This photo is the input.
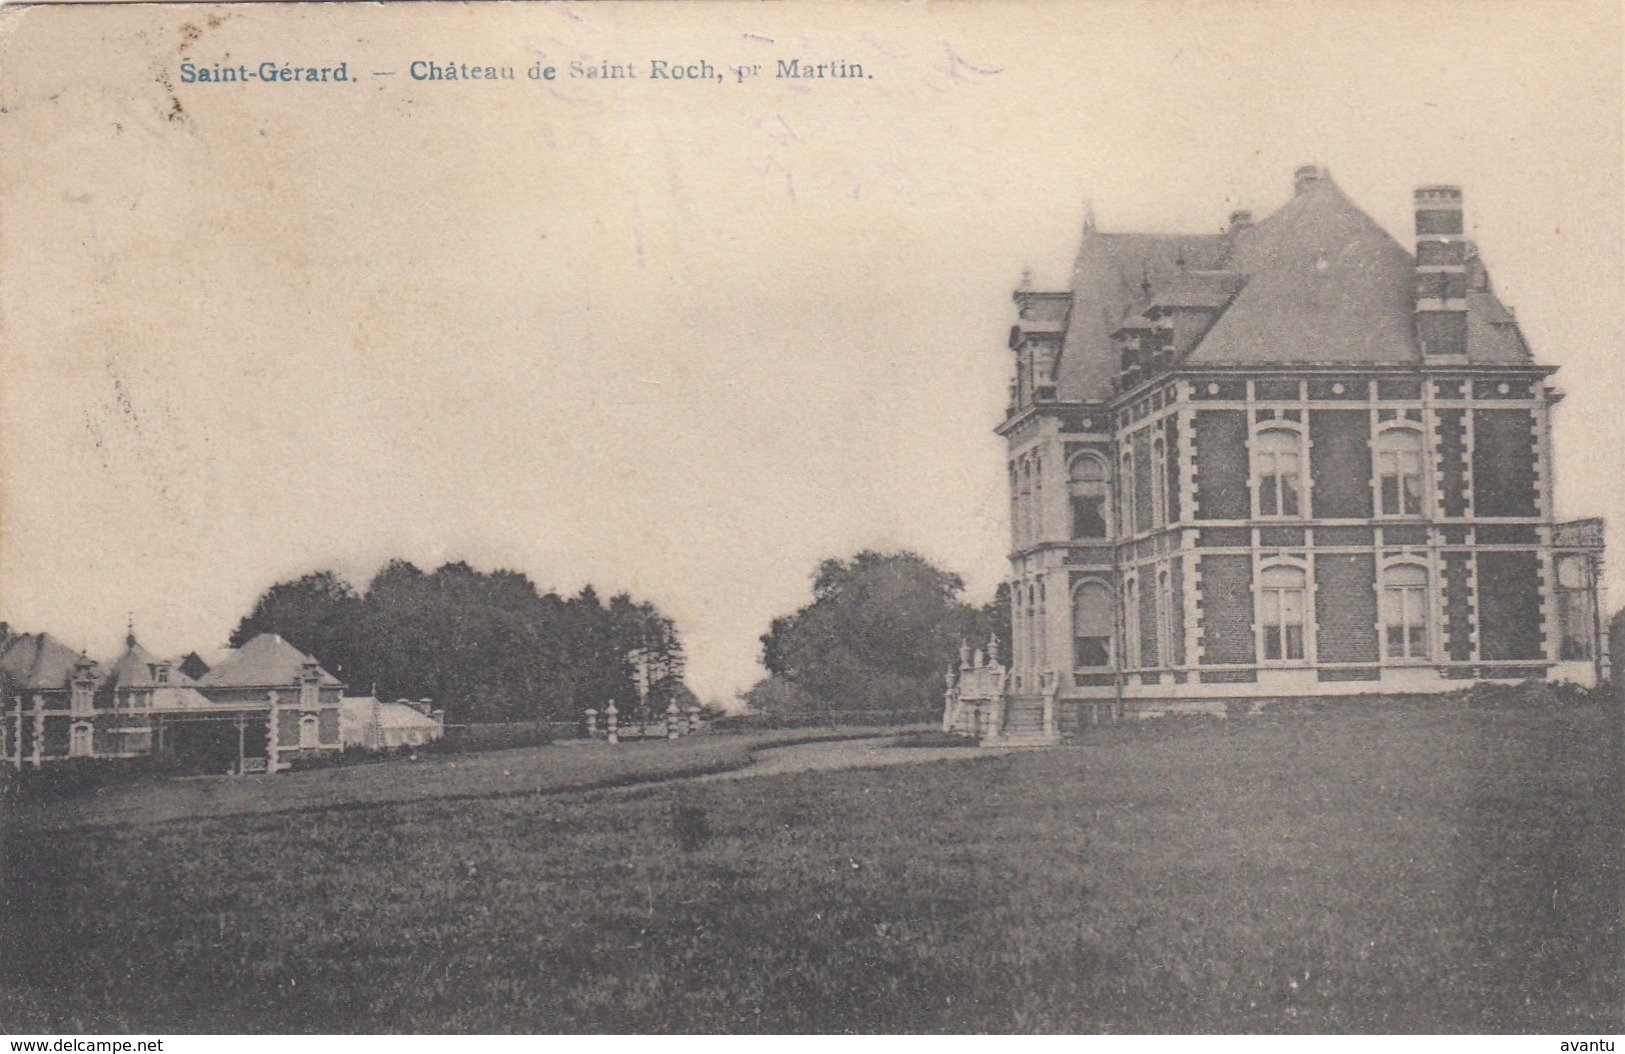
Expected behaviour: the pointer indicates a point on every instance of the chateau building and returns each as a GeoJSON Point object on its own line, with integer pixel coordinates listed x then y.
{"type": "Point", "coordinates": [262, 705]}
{"type": "Point", "coordinates": [1291, 458]}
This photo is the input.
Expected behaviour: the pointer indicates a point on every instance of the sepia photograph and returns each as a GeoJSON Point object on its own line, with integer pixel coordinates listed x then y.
{"type": "Point", "coordinates": [708, 518]}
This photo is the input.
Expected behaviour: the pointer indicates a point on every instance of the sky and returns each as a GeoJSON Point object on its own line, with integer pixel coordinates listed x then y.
{"type": "Point", "coordinates": [679, 338]}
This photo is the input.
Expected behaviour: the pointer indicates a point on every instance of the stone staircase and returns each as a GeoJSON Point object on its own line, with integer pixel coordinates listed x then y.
{"type": "Point", "coordinates": [1023, 724]}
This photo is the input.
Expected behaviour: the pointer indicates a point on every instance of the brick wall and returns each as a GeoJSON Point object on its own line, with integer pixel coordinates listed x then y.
{"type": "Point", "coordinates": [1504, 463]}
{"type": "Point", "coordinates": [1173, 472]}
{"type": "Point", "coordinates": [1451, 437]}
{"type": "Point", "coordinates": [1340, 463]}
{"type": "Point", "coordinates": [1142, 479]}
{"type": "Point", "coordinates": [1176, 574]}
{"type": "Point", "coordinates": [1227, 609]}
{"type": "Point", "coordinates": [1458, 607]}
{"type": "Point", "coordinates": [1509, 606]}
{"type": "Point", "coordinates": [1147, 617]}
{"type": "Point", "coordinates": [1221, 465]}
{"type": "Point", "coordinates": [1346, 607]}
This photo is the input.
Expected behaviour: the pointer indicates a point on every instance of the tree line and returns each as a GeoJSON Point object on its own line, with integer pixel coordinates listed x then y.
{"type": "Point", "coordinates": [484, 645]}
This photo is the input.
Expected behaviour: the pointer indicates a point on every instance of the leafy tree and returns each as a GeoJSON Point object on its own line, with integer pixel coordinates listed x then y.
{"type": "Point", "coordinates": [319, 614]}
{"type": "Point", "coordinates": [879, 634]}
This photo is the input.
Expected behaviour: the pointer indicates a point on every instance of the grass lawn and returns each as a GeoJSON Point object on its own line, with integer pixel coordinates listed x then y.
{"type": "Point", "coordinates": [1383, 869]}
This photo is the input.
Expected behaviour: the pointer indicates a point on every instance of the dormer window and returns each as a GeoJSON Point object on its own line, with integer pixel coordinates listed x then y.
{"type": "Point", "coordinates": [159, 672]}
{"type": "Point", "coordinates": [310, 688]}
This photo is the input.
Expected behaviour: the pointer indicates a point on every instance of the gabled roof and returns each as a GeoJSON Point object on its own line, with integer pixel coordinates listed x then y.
{"type": "Point", "coordinates": [265, 661]}
{"type": "Point", "coordinates": [1316, 283]}
{"type": "Point", "coordinates": [39, 662]}
{"type": "Point", "coordinates": [134, 669]}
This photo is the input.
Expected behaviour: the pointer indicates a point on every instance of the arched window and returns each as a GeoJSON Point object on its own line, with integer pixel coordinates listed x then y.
{"type": "Point", "coordinates": [309, 731]}
{"type": "Point", "coordinates": [1092, 627]}
{"type": "Point", "coordinates": [1086, 484]}
{"type": "Point", "coordinates": [1041, 630]}
{"type": "Point", "coordinates": [1277, 465]}
{"type": "Point", "coordinates": [1165, 618]}
{"type": "Point", "coordinates": [1405, 611]}
{"type": "Point", "coordinates": [1159, 482]}
{"type": "Point", "coordinates": [79, 742]}
{"type": "Point", "coordinates": [1399, 472]}
{"type": "Point", "coordinates": [1282, 603]}
{"type": "Point", "coordinates": [1125, 490]}
{"type": "Point", "coordinates": [1037, 525]}
{"type": "Point", "coordinates": [1131, 622]}
{"type": "Point", "coordinates": [1024, 533]}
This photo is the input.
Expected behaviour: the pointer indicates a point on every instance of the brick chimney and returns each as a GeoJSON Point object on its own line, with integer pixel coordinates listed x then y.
{"type": "Point", "coordinates": [1441, 274]}
{"type": "Point", "coordinates": [1306, 178]}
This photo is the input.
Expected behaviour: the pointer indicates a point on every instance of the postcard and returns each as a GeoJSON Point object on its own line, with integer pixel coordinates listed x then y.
{"type": "Point", "coordinates": [711, 517]}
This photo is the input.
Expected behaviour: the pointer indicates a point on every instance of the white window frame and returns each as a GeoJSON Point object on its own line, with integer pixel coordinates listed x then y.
{"type": "Point", "coordinates": [1262, 459]}
{"type": "Point", "coordinates": [81, 733]}
{"type": "Point", "coordinates": [1272, 601]}
{"type": "Point", "coordinates": [310, 732]}
{"type": "Point", "coordinates": [1104, 590]}
{"type": "Point", "coordinates": [1382, 451]}
{"type": "Point", "coordinates": [1080, 485]}
{"type": "Point", "coordinates": [1126, 488]}
{"type": "Point", "coordinates": [1165, 616]}
{"type": "Point", "coordinates": [1159, 482]}
{"type": "Point", "coordinates": [1038, 499]}
{"type": "Point", "coordinates": [1404, 592]}
{"type": "Point", "coordinates": [1567, 597]}
{"type": "Point", "coordinates": [1131, 621]}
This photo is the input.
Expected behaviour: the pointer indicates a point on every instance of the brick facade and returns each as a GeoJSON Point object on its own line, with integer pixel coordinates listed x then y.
{"type": "Point", "coordinates": [1393, 531]}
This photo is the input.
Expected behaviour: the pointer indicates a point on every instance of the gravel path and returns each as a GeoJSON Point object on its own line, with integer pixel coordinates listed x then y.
{"type": "Point", "coordinates": [843, 754]}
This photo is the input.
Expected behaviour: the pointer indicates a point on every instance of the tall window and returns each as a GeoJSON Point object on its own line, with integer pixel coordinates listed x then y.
{"type": "Point", "coordinates": [1159, 482]}
{"type": "Point", "coordinates": [1277, 459]}
{"type": "Point", "coordinates": [1399, 472]}
{"type": "Point", "coordinates": [81, 697]}
{"type": "Point", "coordinates": [1281, 609]}
{"type": "Point", "coordinates": [1091, 627]}
{"type": "Point", "coordinates": [1125, 489]}
{"type": "Point", "coordinates": [309, 734]}
{"type": "Point", "coordinates": [1024, 533]}
{"type": "Point", "coordinates": [79, 741]}
{"type": "Point", "coordinates": [1087, 487]}
{"type": "Point", "coordinates": [1576, 608]}
{"type": "Point", "coordinates": [1037, 525]}
{"type": "Point", "coordinates": [1405, 611]}
{"type": "Point", "coordinates": [1131, 622]}
{"type": "Point", "coordinates": [1041, 629]}
{"type": "Point", "coordinates": [1165, 619]}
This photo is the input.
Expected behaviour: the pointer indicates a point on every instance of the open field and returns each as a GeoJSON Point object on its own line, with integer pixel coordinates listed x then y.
{"type": "Point", "coordinates": [569, 765]}
{"type": "Point", "coordinates": [1384, 869]}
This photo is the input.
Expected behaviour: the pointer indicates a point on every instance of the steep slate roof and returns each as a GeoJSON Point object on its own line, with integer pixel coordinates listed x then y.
{"type": "Point", "coordinates": [1320, 284]}
{"type": "Point", "coordinates": [134, 669]}
{"type": "Point", "coordinates": [39, 662]}
{"type": "Point", "coordinates": [1108, 278]}
{"type": "Point", "coordinates": [267, 660]}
